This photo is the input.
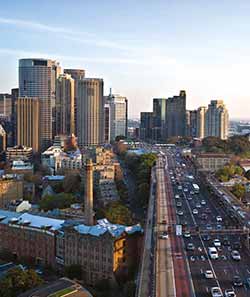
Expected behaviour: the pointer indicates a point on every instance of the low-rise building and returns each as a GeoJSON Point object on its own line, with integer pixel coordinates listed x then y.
{"type": "Point", "coordinates": [11, 188]}
{"type": "Point", "coordinates": [108, 191]}
{"type": "Point", "coordinates": [245, 164]}
{"type": "Point", "coordinates": [19, 152]}
{"type": "Point", "coordinates": [212, 161]}
{"type": "Point", "coordinates": [102, 250]}
{"type": "Point", "coordinates": [22, 167]}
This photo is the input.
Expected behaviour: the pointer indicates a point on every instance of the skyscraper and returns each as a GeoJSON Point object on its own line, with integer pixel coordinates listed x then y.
{"type": "Point", "coordinates": [28, 126]}
{"type": "Point", "coordinates": [76, 74]}
{"type": "Point", "coordinates": [90, 112]}
{"type": "Point", "coordinates": [176, 115]}
{"type": "Point", "coordinates": [37, 78]}
{"type": "Point", "coordinates": [191, 123]}
{"type": "Point", "coordinates": [146, 126]}
{"type": "Point", "coordinates": [159, 111]}
{"type": "Point", "coordinates": [118, 115]}
{"type": "Point", "coordinates": [107, 123]}
{"type": "Point", "coordinates": [65, 105]}
{"type": "Point", "coordinates": [201, 113]}
{"type": "Point", "coordinates": [216, 120]}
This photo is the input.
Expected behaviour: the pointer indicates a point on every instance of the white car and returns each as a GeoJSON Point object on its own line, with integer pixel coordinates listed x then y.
{"type": "Point", "coordinates": [187, 234]}
{"type": "Point", "coordinates": [230, 293]}
{"type": "Point", "coordinates": [203, 202]}
{"type": "Point", "coordinates": [209, 274]}
{"type": "Point", "coordinates": [217, 243]}
{"type": "Point", "coordinates": [235, 255]}
{"type": "Point", "coordinates": [164, 236]}
{"type": "Point", "coordinates": [180, 213]}
{"type": "Point", "coordinates": [219, 219]}
{"type": "Point", "coordinates": [216, 292]}
{"type": "Point", "coordinates": [195, 211]}
{"type": "Point", "coordinates": [185, 190]}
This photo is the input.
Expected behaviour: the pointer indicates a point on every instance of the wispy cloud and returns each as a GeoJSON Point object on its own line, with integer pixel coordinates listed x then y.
{"type": "Point", "coordinates": [143, 61]}
{"type": "Point", "coordinates": [67, 33]}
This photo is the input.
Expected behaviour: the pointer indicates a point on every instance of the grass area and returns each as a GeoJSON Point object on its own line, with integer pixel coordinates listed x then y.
{"type": "Point", "coordinates": [62, 292]}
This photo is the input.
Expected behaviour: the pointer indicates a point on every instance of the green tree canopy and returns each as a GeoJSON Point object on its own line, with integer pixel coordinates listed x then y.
{"type": "Point", "coordinates": [62, 200]}
{"type": "Point", "coordinates": [117, 213]}
{"type": "Point", "coordinates": [239, 191]}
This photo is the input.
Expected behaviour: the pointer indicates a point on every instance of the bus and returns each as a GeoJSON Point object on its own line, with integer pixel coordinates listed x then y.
{"type": "Point", "coordinates": [196, 188]}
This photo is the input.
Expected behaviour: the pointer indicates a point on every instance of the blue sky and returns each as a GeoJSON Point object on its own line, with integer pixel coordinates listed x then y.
{"type": "Point", "coordinates": [142, 48]}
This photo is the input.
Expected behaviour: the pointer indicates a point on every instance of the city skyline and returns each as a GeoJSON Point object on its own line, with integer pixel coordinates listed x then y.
{"type": "Point", "coordinates": [206, 53]}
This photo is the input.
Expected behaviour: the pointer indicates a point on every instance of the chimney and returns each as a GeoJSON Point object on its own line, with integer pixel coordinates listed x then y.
{"type": "Point", "coordinates": [88, 195]}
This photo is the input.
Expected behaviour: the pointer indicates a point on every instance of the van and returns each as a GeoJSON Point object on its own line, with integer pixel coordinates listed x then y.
{"type": "Point", "coordinates": [213, 253]}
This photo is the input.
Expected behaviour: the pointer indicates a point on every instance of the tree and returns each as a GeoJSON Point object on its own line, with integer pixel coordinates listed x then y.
{"type": "Point", "coordinates": [72, 183]}
{"type": "Point", "coordinates": [62, 200]}
{"type": "Point", "coordinates": [118, 213]}
{"type": "Point", "coordinates": [17, 281]}
{"type": "Point", "coordinates": [239, 191]}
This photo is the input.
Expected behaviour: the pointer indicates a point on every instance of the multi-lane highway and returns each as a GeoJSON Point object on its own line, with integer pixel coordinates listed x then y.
{"type": "Point", "coordinates": [203, 220]}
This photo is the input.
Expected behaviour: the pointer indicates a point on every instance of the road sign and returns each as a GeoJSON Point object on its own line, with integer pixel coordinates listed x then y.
{"type": "Point", "coordinates": [178, 230]}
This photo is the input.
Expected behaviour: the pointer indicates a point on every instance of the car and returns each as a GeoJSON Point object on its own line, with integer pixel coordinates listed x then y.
{"type": "Point", "coordinates": [192, 192]}
{"type": "Point", "coordinates": [203, 202]}
{"type": "Point", "coordinates": [217, 242]}
{"type": "Point", "coordinates": [248, 282]}
{"type": "Point", "coordinates": [237, 282]}
{"type": "Point", "coordinates": [208, 210]}
{"type": "Point", "coordinates": [198, 205]}
{"type": "Point", "coordinates": [190, 246]}
{"type": "Point", "coordinates": [209, 227]}
{"type": "Point", "coordinates": [218, 227]}
{"type": "Point", "coordinates": [206, 237]}
{"type": "Point", "coordinates": [216, 292]}
{"type": "Point", "coordinates": [179, 187]}
{"type": "Point", "coordinates": [208, 274]}
{"type": "Point", "coordinates": [179, 204]}
{"type": "Point", "coordinates": [204, 216]}
{"type": "Point", "coordinates": [226, 242]}
{"type": "Point", "coordinates": [187, 234]}
{"type": "Point", "coordinates": [195, 211]}
{"type": "Point", "coordinates": [177, 196]}
{"type": "Point", "coordinates": [230, 293]}
{"type": "Point", "coordinates": [219, 219]}
{"type": "Point", "coordinates": [189, 198]}
{"type": "Point", "coordinates": [235, 255]}
{"type": "Point", "coordinates": [236, 245]}
{"type": "Point", "coordinates": [163, 236]}
{"type": "Point", "coordinates": [180, 213]}
{"type": "Point", "coordinates": [185, 190]}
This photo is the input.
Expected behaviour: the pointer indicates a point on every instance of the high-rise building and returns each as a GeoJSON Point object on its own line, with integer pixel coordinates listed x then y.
{"type": "Point", "coordinates": [176, 115]}
{"type": "Point", "coordinates": [107, 123]}
{"type": "Point", "coordinates": [90, 112]}
{"type": "Point", "coordinates": [76, 74]}
{"type": "Point", "coordinates": [201, 113]}
{"type": "Point", "coordinates": [118, 115]}
{"type": "Point", "coordinates": [217, 118]}
{"type": "Point", "coordinates": [14, 96]}
{"type": "Point", "coordinates": [146, 126]}
{"type": "Point", "coordinates": [191, 123]}
{"type": "Point", "coordinates": [159, 126]}
{"type": "Point", "coordinates": [5, 105]}
{"type": "Point", "coordinates": [65, 105]}
{"type": "Point", "coordinates": [28, 124]}
{"type": "Point", "coordinates": [37, 78]}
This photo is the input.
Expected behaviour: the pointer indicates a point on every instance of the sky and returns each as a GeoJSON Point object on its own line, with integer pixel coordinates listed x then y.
{"type": "Point", "coordinates": [143, 49]}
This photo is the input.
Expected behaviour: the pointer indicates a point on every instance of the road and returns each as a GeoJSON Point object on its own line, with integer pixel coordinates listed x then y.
{"type": "Point", "coordinates": [205, 222]}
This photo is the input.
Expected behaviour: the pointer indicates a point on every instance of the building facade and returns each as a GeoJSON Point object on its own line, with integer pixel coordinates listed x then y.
{"type": "Point", "coordinates": [11, 188]}
{"type": "Point", "coordinates": [90, 112]}
{"type": "Point", "coordinates": [159, 118]}
{"type": "Point", "coordinates": [28, 122]}
{"type": "Point", "coordinates": [118, 115]}
{"type": "Point", "coordinates": [37, 78]}
{"type": "Point", "coordinates": [176, 115]}
{"type": "Point", "coordinates": [201, 114]}
{"type": "Point", "coordinates": [76, 74]}
{"type": "Point", "coordinates": [65, 105]}
{"type": "Point", "coordinates": [217, 120]}
{"type": "Point", "coordinates": [146, 126]}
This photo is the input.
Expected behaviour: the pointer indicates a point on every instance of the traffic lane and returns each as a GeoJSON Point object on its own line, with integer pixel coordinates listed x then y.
{"type": "Point", "coordinates": [227, 269]}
